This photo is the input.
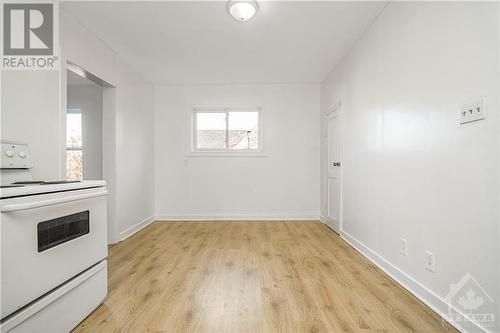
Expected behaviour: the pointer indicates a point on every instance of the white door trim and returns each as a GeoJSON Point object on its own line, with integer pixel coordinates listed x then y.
{"type": "Point", "coordinates": [109, 110]}
{"type": "Point", "coordinates": [336, 111]}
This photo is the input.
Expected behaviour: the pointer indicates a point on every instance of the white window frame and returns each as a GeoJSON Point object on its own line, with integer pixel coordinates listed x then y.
{"type": "Point", "coordinates": [78, 111]}
{"type": "Point", "coordinates": [194, 151]}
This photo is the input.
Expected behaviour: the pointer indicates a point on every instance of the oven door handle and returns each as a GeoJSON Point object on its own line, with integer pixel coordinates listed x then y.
{"type": "Point", "coordinates": [50, 202]}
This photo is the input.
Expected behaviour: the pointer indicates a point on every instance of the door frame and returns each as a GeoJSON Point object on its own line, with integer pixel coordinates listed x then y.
{"type": "Point", "coordinates": [109, 109]}
{"type": "Point", "coordinates": [336, 111]}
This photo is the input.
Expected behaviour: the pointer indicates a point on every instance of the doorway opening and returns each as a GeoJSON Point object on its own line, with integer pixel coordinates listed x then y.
{"type": "Point", "coordinates": [90, 134]}
{"type": "Point", "coordinates": [84, 121]}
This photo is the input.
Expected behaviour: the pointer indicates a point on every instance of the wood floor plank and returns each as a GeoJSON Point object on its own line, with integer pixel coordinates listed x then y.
{"type": "Point", "coordinates": [251, 276]}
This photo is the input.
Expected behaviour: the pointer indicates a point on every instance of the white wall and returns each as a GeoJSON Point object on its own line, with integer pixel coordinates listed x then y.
{"type": "Point", "coordinates": [410, 170]}
{"type": "Point", "coordinates": [283, 184]}
{"type": "Point", "coordinates": [134, 151]}
{"type": "Point", "coordinates": [33, 104]}
{"type": "Point", "coordinates": [89, 100]}
{"type": "Point", "coordinates": [30, 114]}
{"type": "Point", "coordinates": [132, 169]}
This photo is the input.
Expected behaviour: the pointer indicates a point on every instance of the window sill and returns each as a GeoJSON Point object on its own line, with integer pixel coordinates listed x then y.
{"type": "Point", "coordinates": [225, 154]}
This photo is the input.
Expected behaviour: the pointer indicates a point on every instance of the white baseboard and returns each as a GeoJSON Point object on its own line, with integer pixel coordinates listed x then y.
{"type": "Point", "coordinates": [429, 298]}
{"type": "Point", "coordinates": [236, 217]}
{"type": "Point", "coordinates": [135, 228]}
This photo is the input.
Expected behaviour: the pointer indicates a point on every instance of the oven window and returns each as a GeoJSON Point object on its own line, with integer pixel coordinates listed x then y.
{"type": "Point", "coordinates": [58, 231]}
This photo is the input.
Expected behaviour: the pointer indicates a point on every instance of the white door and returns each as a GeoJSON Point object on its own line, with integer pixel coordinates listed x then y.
{"type": "Point", "coordinates": [334, 174]}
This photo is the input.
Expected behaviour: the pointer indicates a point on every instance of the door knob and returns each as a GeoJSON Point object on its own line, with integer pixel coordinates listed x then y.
{"type": "Point", "coordinates": [337, 164]}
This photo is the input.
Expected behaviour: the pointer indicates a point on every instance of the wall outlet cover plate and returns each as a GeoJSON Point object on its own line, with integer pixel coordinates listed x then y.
{"type": "Point", "coordinates": [473, 111]}
{"type": "Point", "coordinates": [430, 264]}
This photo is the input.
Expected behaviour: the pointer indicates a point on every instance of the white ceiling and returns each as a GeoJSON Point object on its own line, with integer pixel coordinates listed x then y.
{"type": "Point", "coordinates": [200, 43]}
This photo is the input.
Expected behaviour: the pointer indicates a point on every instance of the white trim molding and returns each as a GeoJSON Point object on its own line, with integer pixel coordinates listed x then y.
{"type": "Point", "coordinates": [237, 217]}
{"type": "Point", "coordinates": [426, 296]}
{"type": "Point", "coordinates": [136, 227]}
{"type": "Point", "coordinates": [226, 154]}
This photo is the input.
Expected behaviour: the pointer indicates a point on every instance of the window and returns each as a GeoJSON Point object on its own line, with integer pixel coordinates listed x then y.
{"type": "Point", "coordinates": [229, 130]}
{"type": "Point", "coordinates": [74, 145]}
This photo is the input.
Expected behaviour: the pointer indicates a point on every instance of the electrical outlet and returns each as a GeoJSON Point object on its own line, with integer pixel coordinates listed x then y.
{"type": "Point", "coordinates": [473, 111]}
{"type": "Point", "coordinates": [404, 247]}
{"type": "Point", "coordinates": [429, 261]}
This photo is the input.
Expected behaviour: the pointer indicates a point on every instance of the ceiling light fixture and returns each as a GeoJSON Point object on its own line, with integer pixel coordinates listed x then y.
{"type": "Point", "coordinates": [242, 10]}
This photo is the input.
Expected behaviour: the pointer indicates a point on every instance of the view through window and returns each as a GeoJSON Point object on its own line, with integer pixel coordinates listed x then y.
{"type": "Point", "coordinates": [74, 145]}
{"type": "Point", "coordinates": [227, 130]}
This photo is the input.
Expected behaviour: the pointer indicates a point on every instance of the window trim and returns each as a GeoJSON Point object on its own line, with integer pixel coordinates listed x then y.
{"type": "Point", "coordinates": [73, 111]}
{"type": "Point", "coordinates": [194, 152]}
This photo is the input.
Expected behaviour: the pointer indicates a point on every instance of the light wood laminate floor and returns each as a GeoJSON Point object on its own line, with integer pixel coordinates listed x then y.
{"type": "Point", "coordinates": [252, 276]}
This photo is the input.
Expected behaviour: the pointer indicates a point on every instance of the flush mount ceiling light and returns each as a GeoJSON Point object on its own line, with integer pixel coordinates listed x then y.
{"type": "Point", "coordinates": [242, 10]}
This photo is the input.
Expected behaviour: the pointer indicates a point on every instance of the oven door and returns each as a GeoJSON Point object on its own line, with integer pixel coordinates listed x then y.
{"type": "Point", "coordinates": [48, 239]}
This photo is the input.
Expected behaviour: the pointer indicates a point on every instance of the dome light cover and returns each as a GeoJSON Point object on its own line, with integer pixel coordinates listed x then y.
{"type": "Point", "coordinates": [242, 10]}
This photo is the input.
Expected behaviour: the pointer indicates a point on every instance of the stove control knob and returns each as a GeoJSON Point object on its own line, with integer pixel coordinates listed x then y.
{"type": "Point", "coordinates": [22, 154]}
{"type": "Point", "coordinates": [9, 152]}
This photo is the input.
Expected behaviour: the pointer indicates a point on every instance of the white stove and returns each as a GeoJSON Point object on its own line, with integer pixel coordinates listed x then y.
{"type": "Point", "coordinates": [53, 247]}
{"type": "Point", "coordinates": [16, 189]}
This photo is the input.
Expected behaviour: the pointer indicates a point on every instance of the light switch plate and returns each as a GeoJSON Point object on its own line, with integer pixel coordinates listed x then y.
{"type": "Point", "coordinates": [473, 111]}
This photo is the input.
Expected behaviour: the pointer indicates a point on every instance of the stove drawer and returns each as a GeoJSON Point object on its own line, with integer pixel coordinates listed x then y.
{"type": "Point", "coordinates": [48, 239]}
{"type": "Point", "coordinates": [82, 294]}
